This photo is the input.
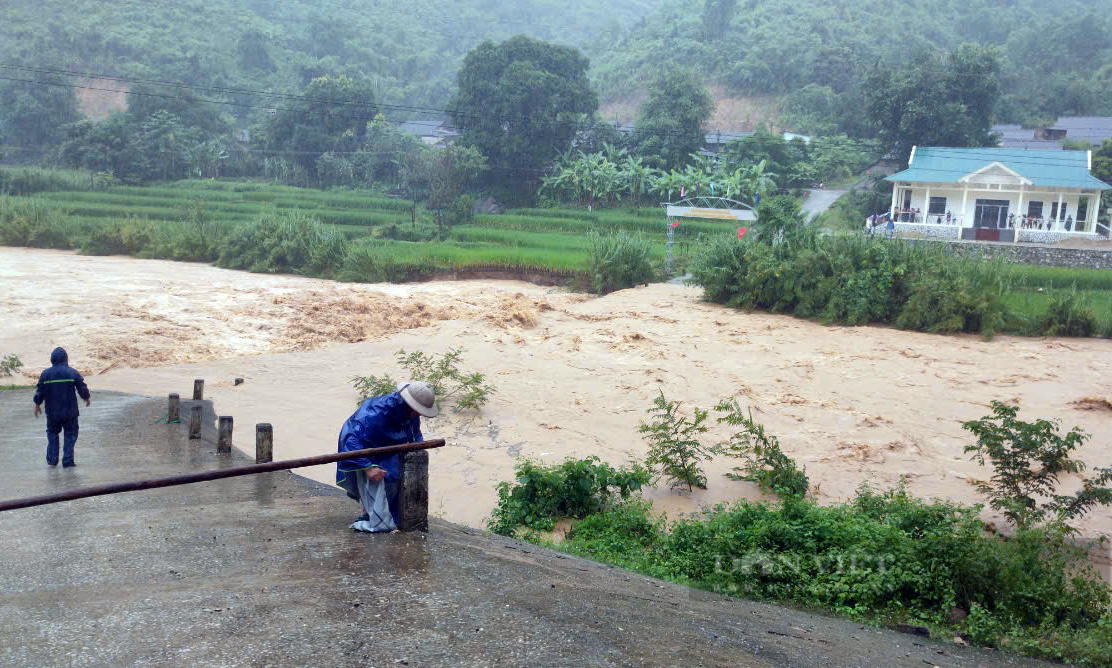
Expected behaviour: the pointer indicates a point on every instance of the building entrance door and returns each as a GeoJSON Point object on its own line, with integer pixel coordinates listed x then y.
{"type": "Point", "coordinates": [992, 213]}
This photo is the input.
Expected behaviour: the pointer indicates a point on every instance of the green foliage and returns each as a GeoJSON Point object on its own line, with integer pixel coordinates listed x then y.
{"type": "Point", "coordinates": [670, 121]}
{"type": "Point", "coordinates": [334, 118]}
{"type": "Point", "coordinates": [1067, 315]}
{"type": "Point", "coordinates": [618, 260]}
{"type": "Point", "coordinates": [10, 365]}
{"type": "Point", "coordinates": [576, 488]}
{"type": "Point", "coordinates": [519, 102]}
{"type": "Point", "coordinates": [450, 171]}
{"type": "Point", "coordinates": [854, 280]}
{"type": "Point", "coordinates": [883, 557]}
{"type": "Point", "coordinates": [935, 101]}
{"type": "Point", "coordinates": [765, 463]}
{"type": "Point", "coordinates": [470, 389]}
{"type": "Point", "coordinates": [33, 223]}
{"type": "Point", "coordinates": [1027, 459]}
{"type": "Point", "coordinates": [674, 448]}
{"type": "Point", "coordinates": [286, 242]}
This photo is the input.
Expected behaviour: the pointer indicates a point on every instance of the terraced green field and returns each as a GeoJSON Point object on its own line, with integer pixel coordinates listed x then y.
{"type": "Point", "coordinates": [533, 240]}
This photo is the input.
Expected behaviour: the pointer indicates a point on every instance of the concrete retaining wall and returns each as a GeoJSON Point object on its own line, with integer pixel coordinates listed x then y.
{"type": "Point", "coordinates": [1052, 236]}
{"type": "Point", "coordinates": [1052, 257]}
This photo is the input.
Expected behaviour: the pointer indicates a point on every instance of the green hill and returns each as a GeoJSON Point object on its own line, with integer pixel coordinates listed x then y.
{"type": "Point", "coordinates": [411, 50]}
{"type": "Point", "coordinates": [1057, 56]}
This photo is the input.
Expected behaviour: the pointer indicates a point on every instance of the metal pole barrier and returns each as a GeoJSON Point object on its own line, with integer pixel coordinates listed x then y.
{"type": "Point", "coordinates": [204, 476]}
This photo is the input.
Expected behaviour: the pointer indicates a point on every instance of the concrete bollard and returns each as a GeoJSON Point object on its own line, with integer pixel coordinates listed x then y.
{"type": "Point", "coordinates": [173, 413]}
{"type": "Point", "coordinates": [264, 443]}
{"type": "Point", "coordinates": [195, 422]}
{"type": "Point", "coordinates": [224, 436]}
{"type": "Point", "coordinates": [414, 493]}
{"type": "Point", "coordinates": [238, 382]}
{"type": "Point", "coordinates": [198, 389]}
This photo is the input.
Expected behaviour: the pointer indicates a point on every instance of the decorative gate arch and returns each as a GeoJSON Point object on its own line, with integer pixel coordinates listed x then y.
{"type": "Point", "coordinates": [707, 208]}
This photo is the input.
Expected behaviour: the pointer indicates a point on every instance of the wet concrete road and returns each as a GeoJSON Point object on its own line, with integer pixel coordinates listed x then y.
{"type": "Point", "coordinates": [262, 571]}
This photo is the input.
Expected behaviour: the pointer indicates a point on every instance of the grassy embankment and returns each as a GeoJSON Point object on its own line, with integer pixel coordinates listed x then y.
{"type": "Point", "coordinates": [148, 222]}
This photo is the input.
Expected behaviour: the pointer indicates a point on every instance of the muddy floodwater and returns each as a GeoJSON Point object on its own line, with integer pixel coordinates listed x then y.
{"type": "Point", "coordinates": [574, 374]}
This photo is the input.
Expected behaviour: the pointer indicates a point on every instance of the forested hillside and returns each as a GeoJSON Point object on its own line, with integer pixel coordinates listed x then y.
{"type": "Point", "coordinates": [411, 50]}
{"type": "Point", "coordinates": [817, 53]}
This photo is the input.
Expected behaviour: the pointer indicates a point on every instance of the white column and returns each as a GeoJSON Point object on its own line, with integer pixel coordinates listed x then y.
{"type": "Point", "coordinates": [895, 194]}
{"type": "Point", "coordinates": [1058, 218]}
{"type": "Point", "coordinates": [1018, 215]}
{"type": "Point", "coordinates": [927, 205]}
{"type": "Point", "coordinates": [964, 199]}
{"type": "Point", "coordinates": [1096, 214]}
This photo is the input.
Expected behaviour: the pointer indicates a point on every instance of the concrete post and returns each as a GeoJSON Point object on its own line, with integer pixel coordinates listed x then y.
{"type": "Point", "coordinates": [414, 493]}
{"type": "Point", "coordinates": [198, 389]}
{"type": "Point", "coordinates": [195, 422]}
{"type": "Point", "coordinates": [173, 413]}
{"type": "Point", "coordinates": [1059, 217]}
{"type": "Point", "coordinates": [224, 436]}
{"type": "Point", "coordinates": [264, 443]}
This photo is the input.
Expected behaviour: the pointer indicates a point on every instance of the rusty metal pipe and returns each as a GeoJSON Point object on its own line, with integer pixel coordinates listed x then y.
{"type": "Point", "coordinates": [116, 488]}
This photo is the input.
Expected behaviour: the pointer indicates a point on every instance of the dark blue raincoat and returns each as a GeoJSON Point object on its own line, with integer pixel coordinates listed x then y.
{"type": "Point", "coordinates": [59, 387]}
{"type": "Point", "coordinates": [379, 422]}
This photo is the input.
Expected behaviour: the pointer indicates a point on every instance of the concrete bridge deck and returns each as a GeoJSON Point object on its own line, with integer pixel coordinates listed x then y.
{"type": "Point", "coordinates": [261, 571]}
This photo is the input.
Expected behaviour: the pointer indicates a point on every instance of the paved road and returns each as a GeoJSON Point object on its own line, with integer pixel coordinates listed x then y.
{"type": "Point", "coordinates": [819, 201]}
{"type": "Point", "coordinates": [262, 571]}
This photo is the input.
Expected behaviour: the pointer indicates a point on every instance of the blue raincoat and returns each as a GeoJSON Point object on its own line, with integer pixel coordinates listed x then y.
{"type": "Point", "coordinates": [379, 422]}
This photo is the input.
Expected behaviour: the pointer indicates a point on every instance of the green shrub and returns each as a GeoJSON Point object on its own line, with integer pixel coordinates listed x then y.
{"type": "Point", "coordinates": [31, 222]}
{"type": "Point", "coordinates": [129, 236]}
{"type": "Point", "coordinates": [674, 448]}
{"type": "Point", "coordinates": [576, 488]}
{"type": "Point", "coordinates": [1067, 315]}
{"type": "Point", "coordinates": [10, 365]}
{"type": "Point", "coordinates": [618, 261]}
{"type": "Point", "coordinates": [1027, 459]}
{"type": "Point", "coordinates": [284, 243]}
{"type": "Point", "coordinates": [765, 463]}
{"type": "Point", "coordinates": [470, 389]}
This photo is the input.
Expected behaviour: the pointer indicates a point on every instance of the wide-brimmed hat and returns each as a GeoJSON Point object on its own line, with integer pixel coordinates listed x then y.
{"type": "Point", "coordinates": [420, 397]}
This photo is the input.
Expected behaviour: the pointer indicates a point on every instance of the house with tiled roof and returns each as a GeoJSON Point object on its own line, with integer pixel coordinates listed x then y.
{"type": "Point", "coordinates": [998, 194]}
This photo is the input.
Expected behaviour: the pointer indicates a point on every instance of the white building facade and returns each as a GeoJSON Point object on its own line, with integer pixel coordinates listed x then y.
{"type": "Point", "coordinates": [996, 194]}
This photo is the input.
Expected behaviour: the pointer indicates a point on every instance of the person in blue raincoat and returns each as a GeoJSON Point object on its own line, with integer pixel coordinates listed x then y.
{"type": "Point", "coordinates": [59, 386]}
{"type": "Point", "coordinates": [392, 419]}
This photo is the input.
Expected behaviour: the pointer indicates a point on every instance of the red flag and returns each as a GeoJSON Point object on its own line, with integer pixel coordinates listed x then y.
{"type": "Point", "coordinates": [675, 224]}
{"type": "Point", "coordinates": [741, 232]}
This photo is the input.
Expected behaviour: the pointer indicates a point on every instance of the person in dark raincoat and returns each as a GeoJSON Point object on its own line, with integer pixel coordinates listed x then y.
{"type": "Point", "coordinates": [391, 419]}
{"type": "Point", "coordinates": [59, 387]}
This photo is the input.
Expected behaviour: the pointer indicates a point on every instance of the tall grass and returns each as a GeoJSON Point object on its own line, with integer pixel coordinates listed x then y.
{"type": "Point", "coordinates": [31, 180]}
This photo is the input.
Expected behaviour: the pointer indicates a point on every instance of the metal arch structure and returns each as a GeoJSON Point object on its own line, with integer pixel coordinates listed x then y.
{"type": "Point", "coordinates": [706, 207]}
{"type": "Point", "coordinates": [709, 202]}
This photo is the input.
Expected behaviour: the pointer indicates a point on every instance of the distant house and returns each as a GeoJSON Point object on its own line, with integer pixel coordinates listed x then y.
{"type": "Point", "coordinates": [998, 194]}
{"type": "Point", "coordinates": [1091, 129]}
{"type": "Point", "coordinates": [433, 133]}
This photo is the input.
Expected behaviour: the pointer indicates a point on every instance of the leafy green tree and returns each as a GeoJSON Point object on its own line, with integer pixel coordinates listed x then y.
{"type": "Point", "coordinates": [35, 113]}
{"type": "Point", "coordinates": [519, 102]}
{"type": "Point", "coordinates": [451, 170]}
{"type": "Point", "coordinates": [717, 15]}
{"type": "Point", "coordinates": [1027, 460]}
{"type": "Point", "coordinates": [674, 447]}
{"type": "Point", "coordinates": [670, 122]}
{"type": "Point", "coordinates": [935, 101]}
{"type": "Point", "coordinates": [105, 146]}
{"type": "Point", "coordinates": [164, 145]}
{"type": "Point", "coordinates": [334, 118]}
{"type": "Point", "coordinates": [187, 105]}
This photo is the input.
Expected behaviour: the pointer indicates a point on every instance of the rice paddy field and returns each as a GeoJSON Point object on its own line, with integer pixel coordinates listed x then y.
{"type": "Point", "coordinates": [546, 240]}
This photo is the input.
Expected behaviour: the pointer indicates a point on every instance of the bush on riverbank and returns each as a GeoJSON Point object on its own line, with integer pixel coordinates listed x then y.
{"type": "Point", "coordinates": [857, 280]}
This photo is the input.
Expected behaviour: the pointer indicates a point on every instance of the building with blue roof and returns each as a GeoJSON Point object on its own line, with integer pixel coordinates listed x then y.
{"type": "Point", "coordinates": [998, 194]}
